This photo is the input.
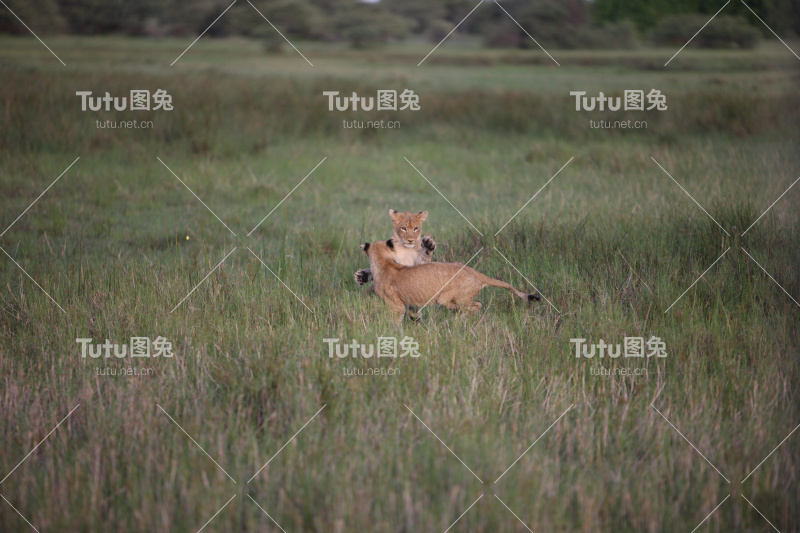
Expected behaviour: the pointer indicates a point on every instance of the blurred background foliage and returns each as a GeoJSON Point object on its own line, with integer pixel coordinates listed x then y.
{"type": "Point", "coordinates": [555, 23]}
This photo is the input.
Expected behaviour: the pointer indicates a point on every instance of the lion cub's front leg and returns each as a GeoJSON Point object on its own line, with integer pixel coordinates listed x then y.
{"type": "Point", "coordinates": [428, 246]}
{"type": "Point", "coordinates": [393, 301]}
{"type": "Point", "coordinates": [363, 276]}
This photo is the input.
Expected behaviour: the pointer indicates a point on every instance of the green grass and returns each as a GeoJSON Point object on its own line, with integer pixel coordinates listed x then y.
{"type": "Point", "coordinates": [109, 243]}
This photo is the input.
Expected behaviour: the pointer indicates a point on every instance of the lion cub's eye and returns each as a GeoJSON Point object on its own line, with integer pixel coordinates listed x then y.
{"type": "Point", "coordinates": [416, 229]}
{"type": "Point", "coordinates": [404, 228]}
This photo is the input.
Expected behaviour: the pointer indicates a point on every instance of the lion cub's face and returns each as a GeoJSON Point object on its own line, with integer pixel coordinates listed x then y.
{"type": "Point", "coordinates": [408, 227]}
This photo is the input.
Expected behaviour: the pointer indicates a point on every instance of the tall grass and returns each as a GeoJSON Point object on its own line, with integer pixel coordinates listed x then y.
{"type": "Point", "coordinates": [612, 243]}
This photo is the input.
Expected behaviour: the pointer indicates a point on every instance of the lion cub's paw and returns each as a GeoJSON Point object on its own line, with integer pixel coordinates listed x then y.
{"type": "Point", "coordinates": [428, 244]}
{"type": "Point", "coordinates": [363, 276]}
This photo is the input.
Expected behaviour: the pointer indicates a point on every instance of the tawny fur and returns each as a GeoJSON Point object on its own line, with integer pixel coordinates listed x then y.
{"type": "Point", "coordinates": [411, 248]}
{"type": "Point", "coordinates": [452, 285]}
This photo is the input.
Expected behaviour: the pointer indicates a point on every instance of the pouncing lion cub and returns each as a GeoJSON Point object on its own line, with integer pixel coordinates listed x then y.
{"type": "Point", "coordinates": [452, 285]}
{"type": "Point", "coordinates": [411, 247]}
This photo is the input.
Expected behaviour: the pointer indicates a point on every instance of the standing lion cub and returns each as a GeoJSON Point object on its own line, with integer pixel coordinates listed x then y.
{"type": "Point", "coordinates": [411, 248]}
{"type": "Point", "coordinates": [452, 285]}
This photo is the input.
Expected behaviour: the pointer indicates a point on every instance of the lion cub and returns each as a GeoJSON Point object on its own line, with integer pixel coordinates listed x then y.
{"type": "Point", "coordinates": [452, 285]}
{"type": "Point", "coordinates": [411, 248]}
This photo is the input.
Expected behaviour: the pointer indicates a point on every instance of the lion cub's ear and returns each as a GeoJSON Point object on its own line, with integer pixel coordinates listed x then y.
{"type": "Point", "coordinates": [365, 247]}
{"type": "Point", "coordinates": [423, 216]}
{"type": "Point", "coordinates": [393, 214]}
{"type": "Point", "coordinates": [390, 244]}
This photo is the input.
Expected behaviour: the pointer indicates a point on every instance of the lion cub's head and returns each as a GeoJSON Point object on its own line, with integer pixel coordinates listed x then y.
{"type": "Point", "coordinates": [408, 227]}
{"type": "Point", "coordinates": [380, 252]}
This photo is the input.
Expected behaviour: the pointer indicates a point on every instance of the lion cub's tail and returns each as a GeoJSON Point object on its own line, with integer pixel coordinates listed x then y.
{"type": "Point", "coordinates": [491, 282]}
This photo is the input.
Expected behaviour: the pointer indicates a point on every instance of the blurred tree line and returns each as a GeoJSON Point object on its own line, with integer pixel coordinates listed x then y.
{"type": "Point", "coordinates": [362, 23]}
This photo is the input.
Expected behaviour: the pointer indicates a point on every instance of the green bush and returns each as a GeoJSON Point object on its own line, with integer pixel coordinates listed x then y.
{"type": "Point", "coordinates": [616, 36]}
{"type": "Point", "coordinates": [43, 15]}
{"type": "Point", "coordinates": [729, 32]}
{"type": "Point", "coordinates": [368, 26]}
{"type": "Point", "coordinates": [438, 30]}
{"type": "Point", "coordinates": [723, 32]}
{"type": "Point", "coordinates": [548, 22]}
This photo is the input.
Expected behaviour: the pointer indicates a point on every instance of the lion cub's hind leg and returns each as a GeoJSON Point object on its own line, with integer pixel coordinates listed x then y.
{"type": "Point", "coordinates": [469, 307]}
{"type": "Point", "coordinates": [472, 307]}
{"type": "Point", "coordinates": [461, 303]}
{"type": "Point", "coordinates": [414, 313]}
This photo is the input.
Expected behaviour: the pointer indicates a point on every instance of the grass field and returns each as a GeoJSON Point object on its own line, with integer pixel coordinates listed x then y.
{"type": "Point", "coordinates": [612, 242]}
